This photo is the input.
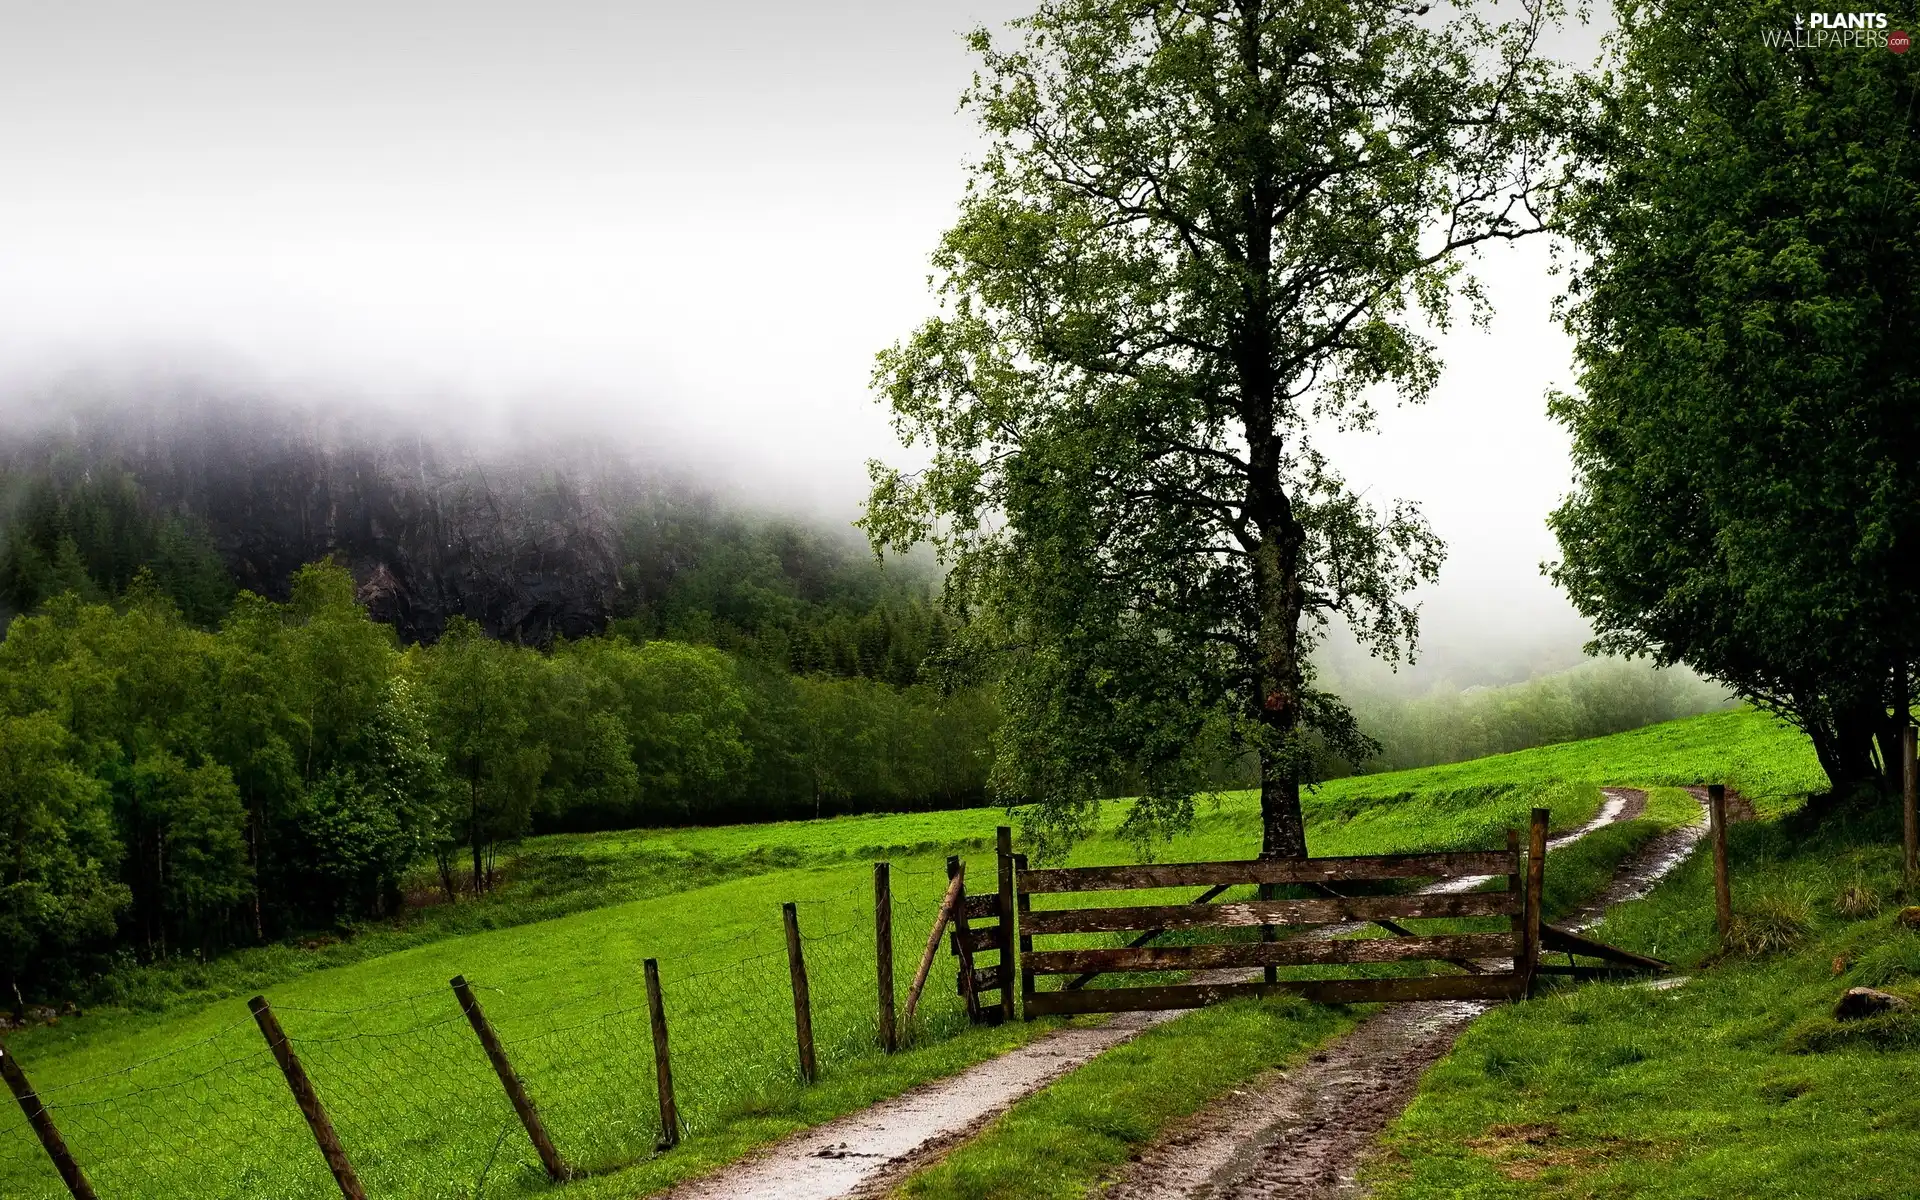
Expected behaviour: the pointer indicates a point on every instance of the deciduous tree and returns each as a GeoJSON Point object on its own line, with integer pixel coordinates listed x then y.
{"type": "Point", "coordinates": [1747, 421]}
{"type": "Point", "coordinates": [1199, 232]}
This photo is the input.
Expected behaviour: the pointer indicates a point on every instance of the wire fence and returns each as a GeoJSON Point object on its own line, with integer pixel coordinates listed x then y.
{"type": "Point", "coordinates": [418, 1106]}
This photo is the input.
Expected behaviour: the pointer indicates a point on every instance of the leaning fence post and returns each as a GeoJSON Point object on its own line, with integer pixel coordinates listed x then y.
{"type": "Point", "coordinates": [1910, 800]}
{"type": "Point", "coordinates": [802, 1001]}
{"type": "Point", "coordinates": [883, 952]}
{"type": "Point", "coordinates": [1722, 889]}
{"type": "Point", "coordinates": [43, 1126]}
{"type": "Point", "coordinates": [1003, 838]}
{"type": "Point", "coordinates": [307, 1099]}
{"type": "Point", "coordinates": [516, 1094]}
{"type": "Point", "coordinates": [955, 886]}
{"type": "Point", "coordinates": [662, 1064]}
{"type": "Point", "coordinates": [1536, 889]}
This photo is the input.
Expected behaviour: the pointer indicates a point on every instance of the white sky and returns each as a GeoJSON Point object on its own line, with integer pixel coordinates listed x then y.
{"type": "Point", "coordinates": [690, 224]}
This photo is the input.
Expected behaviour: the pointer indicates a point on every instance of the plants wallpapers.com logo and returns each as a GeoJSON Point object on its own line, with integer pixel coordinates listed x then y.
{"type": "Point", "coordinates": [1847, 31]}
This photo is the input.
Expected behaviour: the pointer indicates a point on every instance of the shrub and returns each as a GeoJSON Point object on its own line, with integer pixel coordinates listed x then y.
{"type": "Point", "coordinates": [1858, 900]}
{"type": "Point", "coordinates": [1770, 925]}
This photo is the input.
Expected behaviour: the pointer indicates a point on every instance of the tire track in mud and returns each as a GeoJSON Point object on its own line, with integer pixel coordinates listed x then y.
{"type": "Point", "coordinates": [866, 1153]}
{"type": "Point", "coordinates": [1301, 1134]}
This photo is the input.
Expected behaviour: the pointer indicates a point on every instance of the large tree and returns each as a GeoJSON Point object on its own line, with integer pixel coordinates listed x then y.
{"type": "Point", "coordinates": [1198, 233]}
{"type": "Point", "coordinates": [1747, 422]}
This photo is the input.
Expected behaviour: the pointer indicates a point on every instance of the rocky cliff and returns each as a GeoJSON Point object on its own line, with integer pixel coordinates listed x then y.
{"type": "Point", "coordinates": [523, 543]}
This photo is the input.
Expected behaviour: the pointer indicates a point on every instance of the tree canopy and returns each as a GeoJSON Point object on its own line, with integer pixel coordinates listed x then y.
{"type": "Point", "coordinates": [1747, 421]}
{"type": "Point", "coordinates": [167, 790]}
{"type": "Point", "coordinates": [1199, 233]}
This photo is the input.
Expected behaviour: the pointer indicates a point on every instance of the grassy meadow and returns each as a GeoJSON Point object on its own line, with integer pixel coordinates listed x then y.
{"type": "Point", "coordinates": [176, 1095]}
{"type": "Point", "coordinates": [1737, 1083]}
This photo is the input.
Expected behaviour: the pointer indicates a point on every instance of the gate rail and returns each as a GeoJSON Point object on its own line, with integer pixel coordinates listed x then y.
{"type": "Point", "coordinates": [1520, 943]}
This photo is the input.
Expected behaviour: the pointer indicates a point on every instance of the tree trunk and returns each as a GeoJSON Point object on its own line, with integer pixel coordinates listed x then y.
{"type": "Point", "coordinates": [473, 830]}
{"type": "Point", "coordinates": [1844, 743]}
{"type": "Point", "coordinates": [1283, 828]}
{"type": "Point", "coordinates": [1279, 599]}
{"type": "Point", "coordinates": [254, 824]}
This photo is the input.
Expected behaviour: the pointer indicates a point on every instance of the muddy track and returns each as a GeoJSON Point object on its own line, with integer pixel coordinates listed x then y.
{"type": "Point", "coordinates": [1303, 1133]}
{"type": "Point", "coordinates": [865, 1154]}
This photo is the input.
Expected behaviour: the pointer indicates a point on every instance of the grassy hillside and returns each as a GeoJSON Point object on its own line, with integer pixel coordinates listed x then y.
{"type": "Point", "coordinates": [185, 1101]}
{"type": "Point", "coordinates": [1737, 1083]}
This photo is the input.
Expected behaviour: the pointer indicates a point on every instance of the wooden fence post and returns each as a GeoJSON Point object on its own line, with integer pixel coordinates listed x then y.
{"type": "Point", "coordinates": [963, 931]}
{"type": "Point", "coordinates": [1910, 800]}
{"type": "Point", "coordinates": [1536, 890]}
{"type": "Point", "coordinates": [516, 1094]}
{"type": "Point", "coordinates": [662, 1063]}
{"type": "Point", "coordinates": [1008, 947]}
{"type": "Point", "coordinates": [802, 1001]}
{"type": "Point", "coordinates": [1026, 943]}
{"type": "Point", "coordinates": [307, 1099]}
{"type": "Point", "coordinates": [883, 952]}
{"type": "Point", "coordinates": [1722, 889]}
{"type": "Point", "coordinates": [44, 1128]}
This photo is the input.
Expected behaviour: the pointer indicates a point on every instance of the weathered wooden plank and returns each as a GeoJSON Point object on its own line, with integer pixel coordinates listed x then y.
{"type": "Point", "coordinates": [1266, 871]}
{"type": "Point", "coordinates": [1295, 952]}
{"type": "Point", "coordinates": [1324, 991]}
{"type": "Point", "coordinates": [985, 979]}
{"type": "Point", "coordinates": [1552, 937]}
{"type": "Point", "coordinates": [1241, 914]}
{"type": "Point", "coordinates": [1026, 935]}
{"type": "Point", "coordinates": [977, 939]}
{"type": "Point", "coordinates": [984, 907]}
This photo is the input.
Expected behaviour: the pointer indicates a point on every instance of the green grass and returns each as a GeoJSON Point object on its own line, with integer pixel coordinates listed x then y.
{"type": "Point", "coordinates": [1061, 1141]}
{"type": "Point", "coordinates": [177, 1096]}
{"type": "Point", "coordinates": [1739, 1083]}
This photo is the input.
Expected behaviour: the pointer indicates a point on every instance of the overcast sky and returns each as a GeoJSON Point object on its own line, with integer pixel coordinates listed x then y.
{"type": "Point", "coordinates": [690, 224]}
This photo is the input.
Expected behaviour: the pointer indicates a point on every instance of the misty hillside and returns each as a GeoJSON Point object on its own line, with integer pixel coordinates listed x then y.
{"type": "Point", "coordinates": [531, 542]}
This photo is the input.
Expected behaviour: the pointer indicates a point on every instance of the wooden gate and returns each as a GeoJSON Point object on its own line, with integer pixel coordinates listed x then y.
{"type": "Point", "coordinates": [1345, 891]}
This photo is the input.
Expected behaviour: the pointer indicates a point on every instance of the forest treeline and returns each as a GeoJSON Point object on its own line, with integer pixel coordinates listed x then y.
{"type": "Point", "coordinates": [186, 766]}
{"type": "Point", "coordinates": [166, 789]}
{"type": "Point", "coordinates": [1590, 700]}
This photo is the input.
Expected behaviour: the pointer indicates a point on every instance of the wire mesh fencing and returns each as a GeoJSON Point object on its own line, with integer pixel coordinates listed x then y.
{"type": "Point", "coordinates": [419, 1106]}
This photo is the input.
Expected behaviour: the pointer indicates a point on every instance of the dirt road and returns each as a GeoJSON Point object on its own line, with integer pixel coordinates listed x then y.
{"type": "Point", "coordinates": [1302, 1134]}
